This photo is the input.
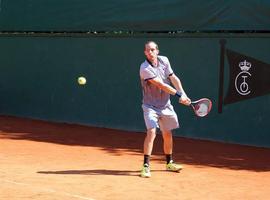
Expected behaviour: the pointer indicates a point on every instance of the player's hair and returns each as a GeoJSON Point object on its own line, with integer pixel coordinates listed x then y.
{"type": "Point", "coordinates": [150, 41]}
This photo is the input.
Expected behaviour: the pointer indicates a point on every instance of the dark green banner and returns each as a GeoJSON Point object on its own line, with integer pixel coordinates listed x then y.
{"type": "Point", "coordinates": [38, 79]}
{"type": "Point", "coordinates": [134, 15]}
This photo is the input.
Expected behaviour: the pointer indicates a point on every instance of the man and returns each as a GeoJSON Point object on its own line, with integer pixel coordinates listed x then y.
{"type": "Point", "coordinates": [156, 76]}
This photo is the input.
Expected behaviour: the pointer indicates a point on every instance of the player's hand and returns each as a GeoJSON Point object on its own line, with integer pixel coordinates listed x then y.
{"type": "Point", "coordinates": [185, 100]}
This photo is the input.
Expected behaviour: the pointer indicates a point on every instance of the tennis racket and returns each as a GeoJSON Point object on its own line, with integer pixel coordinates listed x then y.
{"type": "Point", "coordinates": [201, 107]}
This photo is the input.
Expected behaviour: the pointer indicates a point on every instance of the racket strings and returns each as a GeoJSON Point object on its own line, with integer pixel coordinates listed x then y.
{"type": "Point", "coordinates": [202, 108]}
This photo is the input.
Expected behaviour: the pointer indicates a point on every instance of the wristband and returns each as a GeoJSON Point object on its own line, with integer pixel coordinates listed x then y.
{"type": "Point", "coordinates": [179, 94]}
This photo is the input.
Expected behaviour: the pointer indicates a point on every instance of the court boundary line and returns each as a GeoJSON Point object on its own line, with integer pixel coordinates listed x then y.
{"type": "Point", "coordinates": [43, 189]}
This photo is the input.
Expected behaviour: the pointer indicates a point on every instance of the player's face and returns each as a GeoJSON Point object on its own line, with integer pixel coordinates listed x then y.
{"type": "Point", "coordinates": [151, 51]}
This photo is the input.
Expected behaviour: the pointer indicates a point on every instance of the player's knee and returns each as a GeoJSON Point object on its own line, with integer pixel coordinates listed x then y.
{"type": "Point", "coordinates": [151, 134]}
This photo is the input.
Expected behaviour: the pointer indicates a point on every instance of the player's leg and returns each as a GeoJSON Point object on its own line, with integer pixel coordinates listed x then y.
{"type": "Point", "coordinates": [168, 122]}
{"type": "Point", "coordinates": [151, 122]}
{"type": "Point", "coordinates": [147, 149]}
{"type": "Point", "coordinates": [149, 141]}
{"type": "Point", "coordinates": [168, 149]}
{"type": "Point", "coordinates": [167, 142]}
{"type": "Point", "coordinates": [167, 145]}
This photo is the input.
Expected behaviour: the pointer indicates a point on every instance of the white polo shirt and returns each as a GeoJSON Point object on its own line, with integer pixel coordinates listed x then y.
{"type": "Point", "coordinates": [152, 95]}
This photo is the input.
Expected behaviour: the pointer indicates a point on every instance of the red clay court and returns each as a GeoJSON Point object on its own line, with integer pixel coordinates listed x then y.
{"type": "Point", "coordinates": [42, 160]}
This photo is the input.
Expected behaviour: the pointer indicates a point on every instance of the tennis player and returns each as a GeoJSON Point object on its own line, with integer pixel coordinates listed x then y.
{"type": "Point", "coordinates": [156, 78]}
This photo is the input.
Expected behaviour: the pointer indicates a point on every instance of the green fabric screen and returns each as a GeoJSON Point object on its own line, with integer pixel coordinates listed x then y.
{"type": "Point", "coordinates": [38, 80]}
{"type": "Point", "coordinates": [133, 15]}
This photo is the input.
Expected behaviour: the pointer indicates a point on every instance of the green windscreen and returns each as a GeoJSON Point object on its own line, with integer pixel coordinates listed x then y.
{"type": "Point", "coordinates": [39, 74]}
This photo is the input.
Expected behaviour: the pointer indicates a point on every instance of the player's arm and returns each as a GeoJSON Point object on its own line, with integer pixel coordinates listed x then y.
{"type": "Point", "coordinates": [178, 85]}
{"type": "Point", "coordinates": [163, 86]}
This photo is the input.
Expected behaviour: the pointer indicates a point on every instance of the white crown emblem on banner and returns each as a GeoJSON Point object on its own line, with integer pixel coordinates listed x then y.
{"type": "Point", "coordinates": [245, 66]}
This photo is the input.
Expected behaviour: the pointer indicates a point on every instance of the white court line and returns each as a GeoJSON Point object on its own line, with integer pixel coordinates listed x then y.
{"type": "Point", "coordinates": [48, 190]}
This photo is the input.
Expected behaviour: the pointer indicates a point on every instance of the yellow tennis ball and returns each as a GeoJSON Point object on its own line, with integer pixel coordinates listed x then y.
{"type": "Point", "coordinates": [82, 80]}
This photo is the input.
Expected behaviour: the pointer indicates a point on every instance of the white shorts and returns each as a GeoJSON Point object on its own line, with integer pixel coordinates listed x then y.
{"type": "Point", "coordinates": [165, 119]}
